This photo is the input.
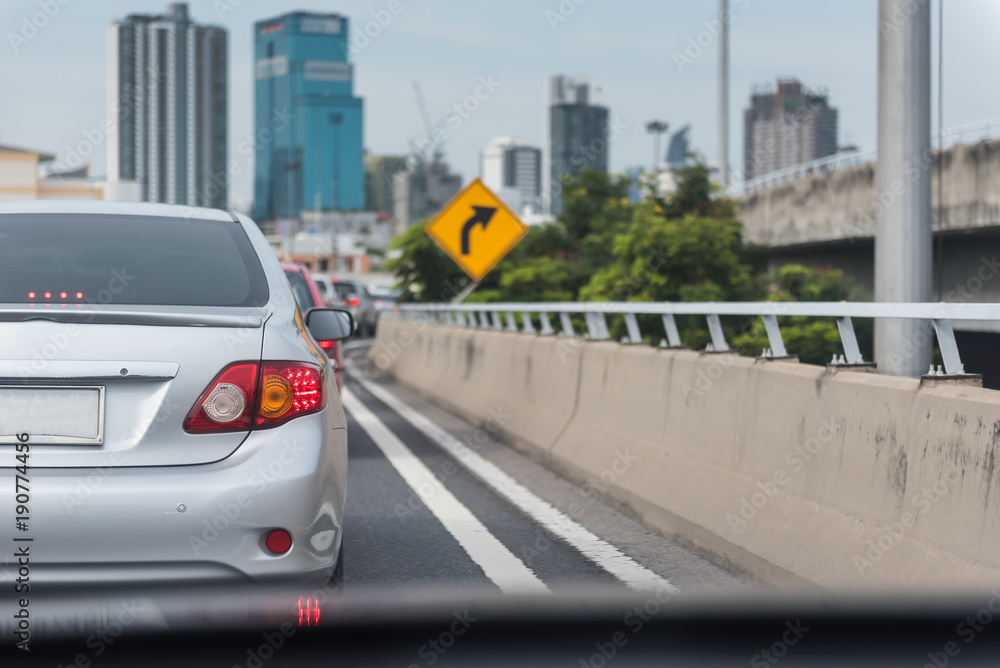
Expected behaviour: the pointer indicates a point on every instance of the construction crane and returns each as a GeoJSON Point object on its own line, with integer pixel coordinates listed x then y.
{"type": "Point", "coordinates": [438, 152]}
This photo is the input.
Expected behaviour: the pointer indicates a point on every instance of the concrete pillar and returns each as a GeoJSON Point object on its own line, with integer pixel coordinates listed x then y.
{"type": "Point", "coordinates": [903, 183]}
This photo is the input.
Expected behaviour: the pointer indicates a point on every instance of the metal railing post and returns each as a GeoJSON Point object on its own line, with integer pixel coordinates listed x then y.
{"type": "Point", "coordinates": [632, 325]}
{"type": "Point", "coordinates": [597, 325]}
{"type": "Point", "coordinates": [852, 353]}
{"type": "Point", "coordinates": [546, 324]}
{"type": "Point", "coordinates": [949, 349]}
{"type": "Point", "coordinates": [718, 336]}
{"type": "Point", "coordinates": [528, 326]}
{"type": "Point", "coordinates": [511, 322]}
{"type": "Point", "coordinates": [670, 327]}
{"type": "Point", "coordinates": [774, 335]}
{"type": "Point", "coordinates": [567, 325]}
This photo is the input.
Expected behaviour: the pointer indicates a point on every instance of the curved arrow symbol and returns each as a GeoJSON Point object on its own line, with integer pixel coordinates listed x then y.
{"type": "Point", "coordinates": [482, 216]}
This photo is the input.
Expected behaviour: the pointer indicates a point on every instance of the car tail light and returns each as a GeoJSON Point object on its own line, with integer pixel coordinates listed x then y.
{"type": "Point", "coordinates": [327, 345]}
{"type": "Point", "coordinates": [288, 390]}
{"type": "Point", "coordinates": [352, 301]}
{"type": "Point", "coordinates": [227, 404]}
{"type": "Point", "coordinates": [248, 395]}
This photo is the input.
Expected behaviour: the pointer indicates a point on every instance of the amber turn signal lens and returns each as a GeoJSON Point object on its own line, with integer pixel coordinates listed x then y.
{"type": "Point", "coordinates": [277, 396]}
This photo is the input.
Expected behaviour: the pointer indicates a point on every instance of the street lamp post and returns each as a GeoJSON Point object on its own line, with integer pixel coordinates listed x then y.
{"type": "Point", "coordinates": [335, 121]}
{"type": "Point", "coordinates": [656, 128]}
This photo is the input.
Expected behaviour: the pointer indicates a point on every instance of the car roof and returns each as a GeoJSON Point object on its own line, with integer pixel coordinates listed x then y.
{"type": "Point", "coordinates": [114, 209]}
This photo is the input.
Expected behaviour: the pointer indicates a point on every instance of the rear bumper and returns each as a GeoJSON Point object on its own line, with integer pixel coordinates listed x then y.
{"type": "Point", "coordinates": [201, 523]}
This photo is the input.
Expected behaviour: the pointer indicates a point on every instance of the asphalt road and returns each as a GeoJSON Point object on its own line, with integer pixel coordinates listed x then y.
{"type": "Point", "coordinates": [401, 534]}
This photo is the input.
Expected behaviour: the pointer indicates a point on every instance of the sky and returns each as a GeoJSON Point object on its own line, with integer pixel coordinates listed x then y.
{"type": "Point", "coordinates": [652, 59]}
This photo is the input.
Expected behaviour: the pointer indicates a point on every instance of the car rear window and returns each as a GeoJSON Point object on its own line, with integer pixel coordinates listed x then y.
{"type": "Point", "coordinates": [303, 295]}
{"type": "Point", "coordinates": [118, 259]}
{"type": "Point", "coordinates": [345, 290]}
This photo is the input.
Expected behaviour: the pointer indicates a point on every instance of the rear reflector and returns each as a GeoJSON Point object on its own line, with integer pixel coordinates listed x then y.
{"type": "Point", "coordinates": [246, 395]}
{"type": "Point", "coordinates": [278, 541]}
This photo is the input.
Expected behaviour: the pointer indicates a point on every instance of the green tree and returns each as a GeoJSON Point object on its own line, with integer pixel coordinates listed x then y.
{"type": "Point", "coordinates": [686, 247]}
{"type": "Point", "coordinates": [425, 272]}
{"type": "Point", "coordinates": [595, 210]}
{"type": "Point", "coordinates": [696, 194]}
{"type": "Point", "coordinates": [687, 259]}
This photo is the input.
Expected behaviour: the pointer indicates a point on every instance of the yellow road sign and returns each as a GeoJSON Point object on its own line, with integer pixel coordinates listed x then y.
{"type": "Point", "coordinates": [476, 229]}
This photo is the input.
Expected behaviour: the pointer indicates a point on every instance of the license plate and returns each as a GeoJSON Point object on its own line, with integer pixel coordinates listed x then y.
{"type": "Point", "coordinates": [54, 415]}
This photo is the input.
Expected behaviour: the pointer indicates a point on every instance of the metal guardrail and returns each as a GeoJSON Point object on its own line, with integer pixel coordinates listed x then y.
{"type": "Point", "coordinates": [492, 316]}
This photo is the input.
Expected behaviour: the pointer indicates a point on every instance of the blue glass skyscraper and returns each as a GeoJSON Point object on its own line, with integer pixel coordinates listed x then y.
{"type": "Point", "coordinates": [308, 123]}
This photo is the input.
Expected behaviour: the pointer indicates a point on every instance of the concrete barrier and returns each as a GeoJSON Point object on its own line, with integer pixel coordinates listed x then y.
{"type": "Point", "coordinates": [775, 468]}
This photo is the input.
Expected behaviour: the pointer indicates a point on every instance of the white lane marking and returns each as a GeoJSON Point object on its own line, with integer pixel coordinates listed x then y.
{"type": "Point", "coordinates": [499, 564]}
{"type": "Point", "coordinates": [605, 555]}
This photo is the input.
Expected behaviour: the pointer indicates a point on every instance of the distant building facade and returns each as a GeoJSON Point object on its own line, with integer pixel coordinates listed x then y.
{"type": "Point", "coordinates": [33, 175]}
{"type": "Point", "coordinates": [168, 108]}
{"type": "Point", "coordinates": [308, 122]}
{"type": "Point", "coordinates": [380, 172]}
{"type": "Point", "coordinates": [578, 134]}
{"type": "Point", "coordinates": [513, 170]}
{"type": "Point", "coordinates": [421, 190]}
{"type": "Point", "coordinates": [786, 125]}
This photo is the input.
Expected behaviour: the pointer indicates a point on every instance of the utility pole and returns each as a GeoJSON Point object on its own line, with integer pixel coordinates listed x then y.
{"type": "Point", "coordinates": [903, 239]}
{"type": "Point", "coordinates": [724, 95]}
{"type": "Point", "coordinates": [656, 128]}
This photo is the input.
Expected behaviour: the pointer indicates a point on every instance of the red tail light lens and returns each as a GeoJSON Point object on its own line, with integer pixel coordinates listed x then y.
{"type": "Point", "coordinates": [327, 345]}
{"type": "Point", "coordinates": [228, 402]}
{"type": "Point", "coordinates": [247, 395]}
{"type": "Point", "coordinates": [352, 301]}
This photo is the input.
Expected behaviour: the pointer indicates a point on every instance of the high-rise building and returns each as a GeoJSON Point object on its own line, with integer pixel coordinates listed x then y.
{"type": "Point", "coordinates": [578, 134]}
{"type": "Point", "coordinates": [167, 107]}
{"type": "Point", "coordinates": [677, 152]}
{"type": "Point", "coordinates": [513, 170]}
{"type": "Point", "coordinates": [308, 140]}
{"type": "Point", "coordinates": [785, 126]}
{"type": "Point", "coordinates": [421, 190]}
{"type": "Point", "coordinates": [380, 171]}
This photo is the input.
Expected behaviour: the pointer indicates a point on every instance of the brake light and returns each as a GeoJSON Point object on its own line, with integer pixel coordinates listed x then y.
{"type": "Point", "coordinates": [352, 301]}
{"type": "Point", "coordinates": [327, 345]}
{"type": "Point", "coordinates": [247, 395]}
{"type": "Point", "coordinates": [63, 295]}
{"type": "Point", "coordinates": [289, 389]}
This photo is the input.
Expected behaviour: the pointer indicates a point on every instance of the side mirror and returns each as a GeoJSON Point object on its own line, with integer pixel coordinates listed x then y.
{"type": "Point", "coordinates": [329, 324]}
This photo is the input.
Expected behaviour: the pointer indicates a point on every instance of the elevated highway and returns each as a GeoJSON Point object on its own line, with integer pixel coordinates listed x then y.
{"type": "Point", "coordinates": [827, 218]}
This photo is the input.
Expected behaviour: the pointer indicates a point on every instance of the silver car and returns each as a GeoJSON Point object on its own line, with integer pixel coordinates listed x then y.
{"type": "Point", "coordinates": [352, 295]}
{"type": "Point", "coordinates": [165, 411]}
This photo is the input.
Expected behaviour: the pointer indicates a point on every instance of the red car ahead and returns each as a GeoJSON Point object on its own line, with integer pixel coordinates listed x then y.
{"type": "Point", "coordinates": [308, 296]}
